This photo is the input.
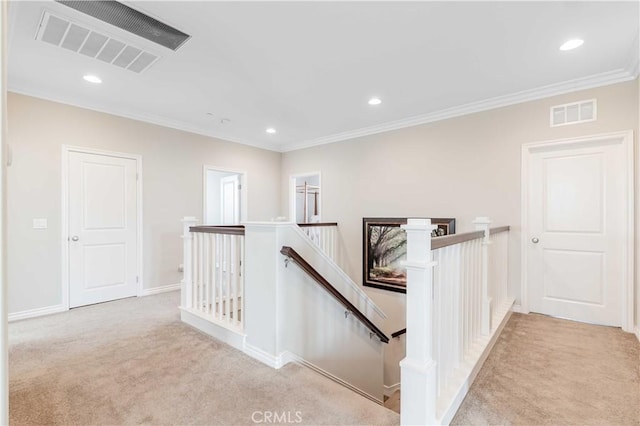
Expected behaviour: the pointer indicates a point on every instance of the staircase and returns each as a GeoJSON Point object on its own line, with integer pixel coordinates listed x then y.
{"type": "Point", "coordinates": [274, 291]}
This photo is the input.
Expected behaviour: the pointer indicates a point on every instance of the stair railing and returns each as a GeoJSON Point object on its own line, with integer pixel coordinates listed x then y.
{"type": "Point", "coordinates": [213, 283]}
{"type": "Point", "coordinates": [324, 235]}
{"type": "Point", "coordinates": [293, 256]}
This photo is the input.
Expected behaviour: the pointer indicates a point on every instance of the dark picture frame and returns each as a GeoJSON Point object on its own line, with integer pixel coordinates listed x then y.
{"type": "Point", "coordinates": [384, 248]}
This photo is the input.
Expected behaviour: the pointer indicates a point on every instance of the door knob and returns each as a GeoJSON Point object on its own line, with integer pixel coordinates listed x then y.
{"type": "Point", "coordinates": [75, 238]}
{"type": "Point", "coordinates": [534, 240]}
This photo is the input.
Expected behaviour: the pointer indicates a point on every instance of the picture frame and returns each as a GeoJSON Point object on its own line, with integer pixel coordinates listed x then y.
{"type": "Point", "coordinates": [384, 249]}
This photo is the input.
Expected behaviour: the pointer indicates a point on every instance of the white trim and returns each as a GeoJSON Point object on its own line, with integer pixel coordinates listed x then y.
{"type": "Point", "coordinates": [66, 149]}
{"type": "Point", "coordinates": [264, 357]}
{"type": "Point", "coordinates": [195, 319]}
{"type": "Point", "coordinates": [137, 116]}
{"type": "Point", "coordinates": [590, 82]}
{"type": "Point", "coordinates": [292, 193]}
{"type": "Point", "coordinates": [244, 191]}
{"type": "Point", "coordinates": [638, 333]}
{"type": "Point", "coordinates": [518, 309]}
{"type": "Point", "coordinates": [158, 290]}
{"type": "Point", "coordinates": [626, 138]}
{"type": "Point", "coordinates": [471, 372]}
{"type": "Point", "coordinates": [295, 358]}
{"type": "Point", "coordinates": [597, 80]}
{"type": "Point", "coordinates": [38, 312]}
{"type": "Point", "coordinates": [390, 390]}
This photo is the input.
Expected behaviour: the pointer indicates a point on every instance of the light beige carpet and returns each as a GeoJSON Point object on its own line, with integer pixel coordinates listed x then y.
{"type": "Point", "coordinates": [133, 361]}
{"type": "Point", "coordinates": [547, 371]}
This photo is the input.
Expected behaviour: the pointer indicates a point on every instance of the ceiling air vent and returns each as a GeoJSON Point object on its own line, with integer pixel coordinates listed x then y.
{"type": "Point", "coordinates": [573, 113]}
{"type": "Point", "coordinates": [128, 19]}
{"type": "Point", "coordinates": [77, 38]}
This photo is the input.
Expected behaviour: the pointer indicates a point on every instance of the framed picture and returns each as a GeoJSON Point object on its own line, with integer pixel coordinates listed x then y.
{"type": "Point", "coordinates": [384, 249]}
{"type": "Point", "coordinates": [445, 226]}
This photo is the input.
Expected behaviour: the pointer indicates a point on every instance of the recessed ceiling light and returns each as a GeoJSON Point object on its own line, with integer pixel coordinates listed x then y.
{"type": "Point", "coordinates": [92, 79]}
{"type": "Point", "coordinates": [375, 101]}
{"type": "Point", "coordinates": [572, 44]}
{"type": "Point", "coordinates": [270, 130]}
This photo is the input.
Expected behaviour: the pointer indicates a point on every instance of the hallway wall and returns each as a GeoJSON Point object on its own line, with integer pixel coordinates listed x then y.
{"type": "Point", "coordinates": [172, 167]}
{"type": "Point", "coordinates": [461, 167]}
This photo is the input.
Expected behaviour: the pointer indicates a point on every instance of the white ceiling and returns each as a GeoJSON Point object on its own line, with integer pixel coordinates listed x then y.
{"type": "Point", "coordinates": [308, 68]}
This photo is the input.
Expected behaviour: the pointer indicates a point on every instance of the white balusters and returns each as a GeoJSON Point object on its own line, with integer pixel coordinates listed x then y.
{"type": "Point", "coordinates": [324, 235]}
{"type": "Point", "coordinates": [498, 269]}
{"type": "Point", "coordinates": [213, 280]}
{"type": "Point", "coordinates": [469, 300]}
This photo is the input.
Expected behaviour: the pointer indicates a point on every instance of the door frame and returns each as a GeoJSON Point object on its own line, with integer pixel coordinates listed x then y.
{"type": "Point", "coordinates": [292, 193]}
{"type": "Point", "coordinates": [64, 237]}
{"type": "Point", "coordinates": [244, 204]}
{"type": "Point", "coordinates": [626, 138]}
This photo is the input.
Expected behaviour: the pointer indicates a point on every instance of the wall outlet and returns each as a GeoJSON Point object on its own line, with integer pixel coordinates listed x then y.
{"type": "Point", "coordinates": [40, 223]}
{"type": "Point", "coordinates": [181, 268]}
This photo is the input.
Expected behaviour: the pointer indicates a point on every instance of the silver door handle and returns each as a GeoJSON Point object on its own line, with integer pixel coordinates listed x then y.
{"type": "Point", "coordinates": [75, 238]}
{"type": "Point", "coordinates": [534, 240]}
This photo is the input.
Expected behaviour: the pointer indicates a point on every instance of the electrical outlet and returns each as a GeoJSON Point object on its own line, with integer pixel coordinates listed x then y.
{"type": "Point", "coordinates": [181, 268]}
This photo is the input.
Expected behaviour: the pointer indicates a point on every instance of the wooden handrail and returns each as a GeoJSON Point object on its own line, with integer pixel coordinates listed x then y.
{"type": "Point", "coordinates": [299, 260]}
{"type": "Point", "coordinates": [499, 229]}
{"type": "Point", "coordinates": [449, 240]}
{"type": "Point", "coordinates": [219, 229]}
{"type": "Point", "coordinates": [307, 225]}
{"type": "Point", "coordinates": [398, 333]}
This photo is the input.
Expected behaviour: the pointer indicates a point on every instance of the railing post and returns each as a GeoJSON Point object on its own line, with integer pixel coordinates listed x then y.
{"type": "Point", "coordinates": [418, 369]}
{"type": "Point", "coordinates": [186, 285]}
{"type": "Point", "coordinates": [482, 224]}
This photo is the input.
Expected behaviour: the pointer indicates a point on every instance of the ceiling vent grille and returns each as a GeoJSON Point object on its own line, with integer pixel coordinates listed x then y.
{"type": "Point", "coordinates": [573, 113]}
{"type": "Point", "coordinates": [128, 19]}
{"type": "Point", "coordinates": [77, 38]}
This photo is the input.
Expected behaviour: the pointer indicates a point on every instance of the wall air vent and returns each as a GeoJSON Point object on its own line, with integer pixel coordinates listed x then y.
{"type": "Point", "coordinates": [128, 19]}
{"type": "Point", "coordinates": [573, 113]}
{"type": "Point", "coordinates": [77, 38]}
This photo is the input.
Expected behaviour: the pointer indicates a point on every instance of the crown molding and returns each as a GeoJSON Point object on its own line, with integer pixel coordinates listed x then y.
{"type": "Point", "coordinates": [590, 82]}
{"type": "Point", "coordinates": [634, 57]}
{"type": "Point", "coordinates": [604, 79]}
{"type": "Point", "coordinates": [143, 117]}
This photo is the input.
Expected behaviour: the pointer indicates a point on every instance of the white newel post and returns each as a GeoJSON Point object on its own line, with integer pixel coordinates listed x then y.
{"type": "Point", "coordinates": [186, 285]}
{"type": "Point", "coordinates": [482, 224]}
{"type": "Point", "coordinates": [418, 369]}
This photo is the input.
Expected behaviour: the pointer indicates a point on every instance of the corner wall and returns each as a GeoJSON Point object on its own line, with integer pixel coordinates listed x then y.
{"type": "Point", "coordinates": [172, 167]}
{"type": "Point", "coordinates": [462, 167]}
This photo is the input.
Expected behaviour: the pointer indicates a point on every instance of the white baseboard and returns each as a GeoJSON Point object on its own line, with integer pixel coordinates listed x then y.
{"type": "Point", "coordinates": [295, 358]}
{"type": "Point", "coordinates": [638, 333]}
{"type": "Point", "coordinates": [519, 309]}
{"type": "Point", "coordinates": [390, 390]}
{"type": "Point", "coordinates": [38, 312]}
{"type": "Point", "coordinates": [231, 337]}
{"type": "Point", "coordinates": [158, 290]}
{"type": "Point", "coordinates": [266, 358]}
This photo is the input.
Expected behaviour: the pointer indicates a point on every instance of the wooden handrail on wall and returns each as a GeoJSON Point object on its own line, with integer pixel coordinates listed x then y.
{"type": "Point", "coordinates": [219, 229]}
{"type": "Point", "coordinates": [308, 225]}
{"type": "Point", "coordinates": [299, 260]}
{"type": "Point", "coordinates": [398, 333]}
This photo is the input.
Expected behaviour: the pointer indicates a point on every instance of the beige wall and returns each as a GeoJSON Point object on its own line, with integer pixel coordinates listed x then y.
{"type": "Point", "coordinates": [172, 163]}
{"type": "Point", "coordinates": [462, 167]}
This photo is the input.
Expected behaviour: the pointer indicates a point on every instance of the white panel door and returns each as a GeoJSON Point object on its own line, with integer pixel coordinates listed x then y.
{"type": "Point", "coordinates": [230, 199]}
{"type": "Point", "coordinates": [102, 215]}
{"type": "Point", "coordinates": [576, 244]}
